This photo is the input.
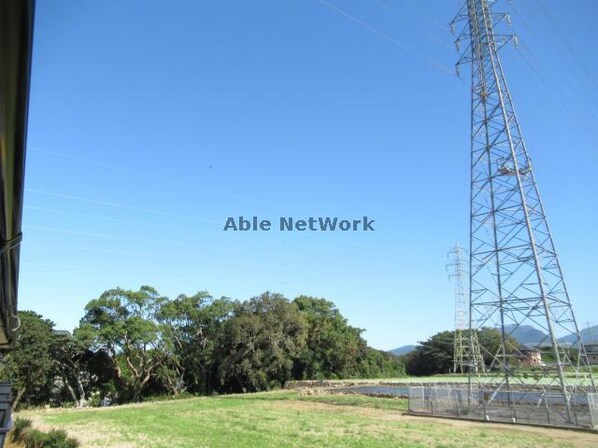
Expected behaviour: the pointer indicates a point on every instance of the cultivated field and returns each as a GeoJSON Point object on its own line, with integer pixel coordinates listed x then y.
{"type": "Point", "coordinates": [287, 419]}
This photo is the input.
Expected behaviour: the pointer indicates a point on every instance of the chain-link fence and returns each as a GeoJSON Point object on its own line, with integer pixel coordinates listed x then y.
{"type": "Point", "coordinates": [533, 406]}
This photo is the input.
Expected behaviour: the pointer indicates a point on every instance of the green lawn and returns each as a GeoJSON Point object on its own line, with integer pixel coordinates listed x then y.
{"type": "Point", "coordinates": [286, 419]}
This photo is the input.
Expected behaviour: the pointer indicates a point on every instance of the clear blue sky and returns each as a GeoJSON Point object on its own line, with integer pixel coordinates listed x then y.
{"type": "Point", "coordinates": [150, 123]}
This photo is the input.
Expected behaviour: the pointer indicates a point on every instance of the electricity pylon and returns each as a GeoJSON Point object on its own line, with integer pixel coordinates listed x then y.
{"type": "Point", "coordinates": [465, 348]}
{"type": "Point", "coordinates": [516, 279]}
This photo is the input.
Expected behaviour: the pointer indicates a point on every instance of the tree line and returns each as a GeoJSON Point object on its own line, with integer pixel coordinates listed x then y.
{"type": "Point", "coordinates": [436, 354]}
{"type": "Point", "coordinates": [132, 345]}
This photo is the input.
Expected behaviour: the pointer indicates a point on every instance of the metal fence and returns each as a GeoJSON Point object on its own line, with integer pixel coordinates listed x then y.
{"type": "Point", "coordinates": [532, 406]}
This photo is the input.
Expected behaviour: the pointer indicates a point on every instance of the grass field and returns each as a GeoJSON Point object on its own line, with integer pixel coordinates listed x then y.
{"type": "Point", "coordinates": [286, 419]}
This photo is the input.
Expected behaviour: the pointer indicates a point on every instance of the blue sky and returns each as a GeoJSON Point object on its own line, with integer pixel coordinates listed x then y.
{"type": "Point", "coordinates": [151, 123]}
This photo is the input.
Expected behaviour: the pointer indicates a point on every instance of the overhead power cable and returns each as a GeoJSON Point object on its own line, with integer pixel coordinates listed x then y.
{"type": "Point", "coordinates": [117, 205]}
{"type": "Point", "coordinates": [437, 65]}
{"type": "Point", "coordinates": [143, 174]}
{"type": "Point", "coordinates": [563, 38]}
{"type": "Point", "coordinates": [426, 15]}
{"type": "Point", "coordinates": [569, 93]}
{"type": "Point", "coordinates": [108, 218]}
{"type": "Point", "coordinates": [414, 24]}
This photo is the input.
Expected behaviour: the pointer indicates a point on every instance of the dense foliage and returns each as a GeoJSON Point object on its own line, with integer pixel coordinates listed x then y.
{"type": "Point", "coordinates": [31, 366]}
{"type": "Point", "coordinates": [132, 345]}
{"type": "Point", "coordinates": [435, 355]}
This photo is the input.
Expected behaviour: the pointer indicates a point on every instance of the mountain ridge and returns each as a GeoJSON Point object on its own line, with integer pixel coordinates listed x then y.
{"type": "Point", "coordinates": [526, 335]}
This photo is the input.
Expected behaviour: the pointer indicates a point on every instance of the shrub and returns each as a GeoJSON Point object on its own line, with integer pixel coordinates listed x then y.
{"type": "Point", "coordinates": [58, 438]}
{"type": "Point", "coordinates": [34, 438]}
{"type": "Point", "coordinates": [22, 432]}
{"type": "Point", "coordinates": [18, 429]}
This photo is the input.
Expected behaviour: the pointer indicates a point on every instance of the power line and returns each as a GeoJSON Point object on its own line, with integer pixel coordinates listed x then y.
{"type": "Point", "coordinates": [404, 18]}
{"type": "Point", "coordinates": [427, 16]}
{"type": "Point", "coordinates": [378, 250]}
{"type": "Point", "coordinates": [115, 236]}
{"type": "Point", "coordinates": [574, 80]}
{"type": "Point", "coordinates": [567, 45]}
{"type": "Point", "coordinates": [107, 218]}
{"type": "Point", "coordinates": [92, 269]}
{"type": "Point", "coordinates": [385, 36]}
{"type": "Point", "coordinates": [144, 174]}
{"type": "Point", "coordinates": [117, 205]}
{"type": "Point", "coordinates": [268, 258]}
{"type": "Point", "coordinates": [561, 98]}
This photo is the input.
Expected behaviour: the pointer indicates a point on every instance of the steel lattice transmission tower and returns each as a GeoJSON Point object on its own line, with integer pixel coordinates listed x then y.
{"type": "Point", "coordinates": [515, 276]}
{"type": "Point", "coordinates": [466, 350]}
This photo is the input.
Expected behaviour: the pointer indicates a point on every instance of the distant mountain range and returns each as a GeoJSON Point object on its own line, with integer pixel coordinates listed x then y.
{"type": "Point", "coordinates": [588, 336]}
{"type": "Point", "coordinates": [527, 335]}
{"type": "Point", "coordinates": [402, 350]}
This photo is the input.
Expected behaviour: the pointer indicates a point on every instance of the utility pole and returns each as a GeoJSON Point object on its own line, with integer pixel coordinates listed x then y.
{"type": "Point", "coordinates": [515, 278]}
{"type": "Point", "coordinates": [465, 348]}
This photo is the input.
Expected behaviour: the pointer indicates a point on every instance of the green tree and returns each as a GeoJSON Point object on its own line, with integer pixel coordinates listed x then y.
{"type": "Point", "coordinates": [189, 328]}
{"type": "Point", "coordinates": [69, 353]}
{"type": "Point", "coordinates": [334, 349]}
{"type": "Point", "coordinates": [123, 323]}
{"type": "Point", "coordinates": [490, 339]}
{"type": "Point", "coordinates": [30, 366]}
{"type": "Point", "coordinates": [432, 356]}
{"type": "Point", "coordinates": [379, 364]}
{"type": "Point", "coordinates": [259, 343]}
{"type": "Point", "coordinates": [435, 355]}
